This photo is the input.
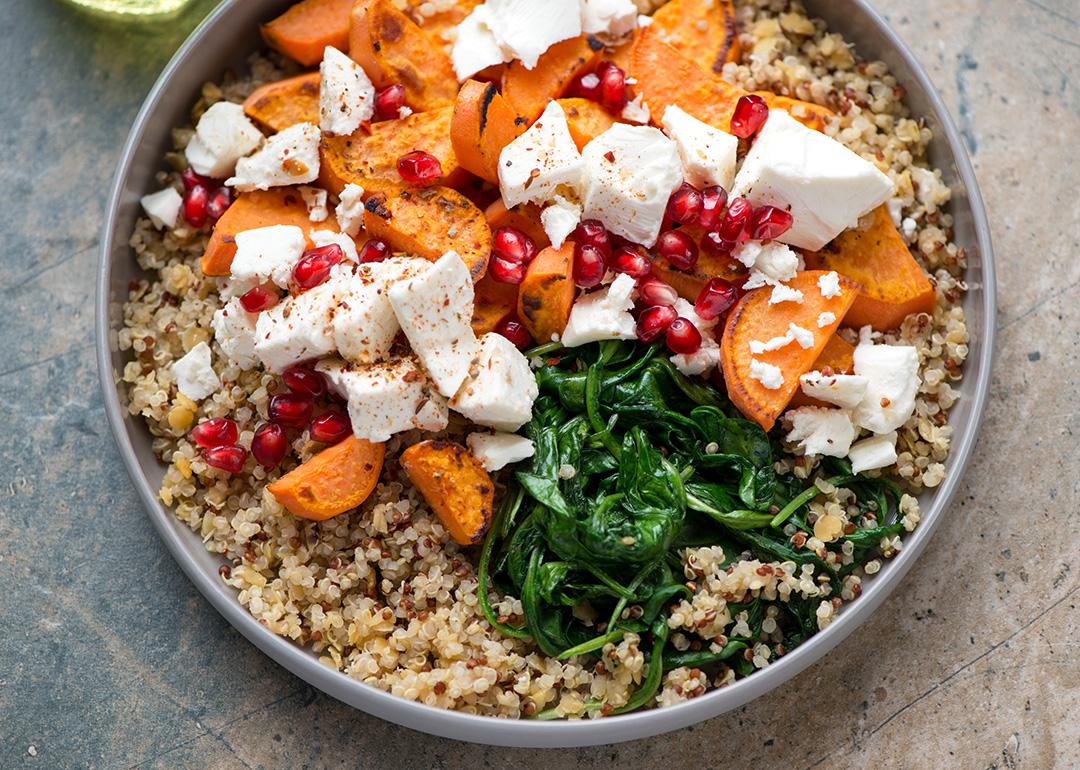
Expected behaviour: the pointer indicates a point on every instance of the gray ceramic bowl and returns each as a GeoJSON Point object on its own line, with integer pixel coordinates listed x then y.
{"type": "Point", "coordinates": [224, 40]}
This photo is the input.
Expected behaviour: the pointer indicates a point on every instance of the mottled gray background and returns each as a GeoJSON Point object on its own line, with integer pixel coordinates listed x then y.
{"type": "Point", "coordinates": [110, 659]}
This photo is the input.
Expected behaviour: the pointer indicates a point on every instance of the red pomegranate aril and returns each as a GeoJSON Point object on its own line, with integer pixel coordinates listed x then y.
{"type": "Point", "coordinates": [749, 116]}
{"type": "Point", "coordinates": [683, 337]}
{"type": "Point", "coordinates": [258, 299]}
{"type": "Point", "coordinates": [511, 244]}
{"type": "Point", "coordinates": [712, 243]}
{"type": "Point", "coordinates": [654, 321]}
{"type": "Point", "coordinates": [304, 381]}
{"type": "Point", "coordinates": [769, 222]}
{"type": "Point", "coordinates": [685, 204]}
{"type": "Point", "coordinates": [389, 101]}
{"type": "Point", "coordinates": [191, 179]}
{"type": "Point", "coordinates": [269, 445]}
{"type": "Point", "coordinates": [588, 87]}
{"type": "Point", "coordinates": [505, 271]}
{"type": "Point", "coordinates": [515, 331]}
{"type": "Point", "coordinates": [374, 251]}
{"type": "Point", "coordinates": [612, 86]}
{"type": "Point", "coordinates": [314, 265]}
{"type": "Point", "coordinates": [230, 459]}
{"type": "Point", "coordinates": [593, 232]}
{"type": "Point", "coordinates": [195, 205]}
{"type": "Point", "coordinates": [219, 431]}
{"type": "Point", "coordinates": [653, 291]}
{"type": "Point", "coordinates": [219, 202]}
{"type": "Point", "coordinates": [716, 297]}
{"type": "Point", "coordinates": [419, 167]}
{"type": "Point", "coordinates": [290, 410]}
{"type": "Point", "coordinates": [629, 260]}
{"type": "Point", "coordinates": [734, 224]}
{"type": "Point", "coordinates": [678, 248]}
{"type": "Point", "coordinates": [330, 427]}
{"type": "Point", "coordinates": [590, 264]}
{"type": "Point", "coordinates": [713, 200]}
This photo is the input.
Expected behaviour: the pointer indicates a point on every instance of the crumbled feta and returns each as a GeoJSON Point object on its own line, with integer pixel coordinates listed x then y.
{"type": "Point", "coordinates": [559, 220]}
{"type": "Point", "coordinates": [404, 111]}
{"type": "Point", "coordinates": [289, 157]}
{"type": "Point", "coordinates": [636, 110]}
{"type": "Point", "coordinates": [631, 172]}
{"type": "Point", "coordinates": [795, 333]}
{"type": "Point", "coordinates": [784, 293]}
{"type": "Point", "coordinates": [845, 390]}
{"type": "Point", "coordinates": [298, 328]}
{"type": "Point", "coordinates": [527, 28]}
{"type": "Point", "coordinates": [223, 136]}
{"type": "Point", "coordinates": [532, 166]}
{"type": "Point", "coordinates": [326, 237]}
{"type": "Point", "coordinates": [705, 358]}
{"type": "Point", "coordinates": [346, 95]}
{"type": "Point", "coordinates": [602, 315]}
{"type": "Point", "coordinates": [267, 254]}
{"type": "Point", "coordinates": [234, 330]}
{"type": "Point", "coordinates": [826, 319]}
{"type": "Point", "coordinates": [615, 18]}
{"type": "Point", "coordinates": [194, 373]}
{"type": "Point", "coordinates": [821, 431]}
{"type": "Point", "coordinates": [768, 375]}
{"type": "Point", "coordinates": [501, 391]}
{"type": "Point", "coordinates": [497, 450]}
{"type": "Point", "coordinates": [773, 261]}
{"type": "Point", "coordinates": [874, 452]}
{"type": "Point", "coordinates": [892, 374]}
{"type": "Point", "coordinates": [364, 323]}
{"type": "Point", "coordinates": [163, 207]}
{"type": "Point", "coordinates": [315, 200]}
{"type": "Point", "coordinates": [829, 285]}
{"type": "Point", "coordinates": [350, 209]}
{"type": "Point", "coordinates": [707, 153]}
{"type": "Point", "coordinates": [824, 185]}
{"type": "Point", "coordinates": [804, 337]}
{"type": "Point", "coordinates": [475, 45]}
{"type": "Point", "coordinates": [643, 21]}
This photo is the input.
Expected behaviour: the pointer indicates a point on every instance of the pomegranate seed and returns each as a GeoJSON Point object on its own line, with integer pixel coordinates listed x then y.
{"type": "Point", "coordinates": [220, 431]}
{"type": "Point", "coordinates": [269, 444]}
{"type": "Point", "coordinates": [715, 298]}
{"type": "Point", "coordinates": [590, 264]}
{"type": "Point", "coordinates": [389, 100]}
{"type": "Point", "coordinates": [654, 321]}
{"type": "Point", "coordinates": [593, 232]}
{"type": "Point", "coordinates": [612, 86]}
{"type": "Point", "coordinates": [419, 167]}
{"type": "Point", "coordinates": [685, 205]}
{"type": "Point", "coordinates": [653, 291]}
{"type": "Point", "coordinates": [304, 381]}
{"type": "Point", "coordinates": [713, 200]}
{"type": "Point", "coordinates": [191, 179]}
{"type": "Point", "coordinates": [750, 115]}
{"type": "Point", "coordinates": [374, 251]}
{"type": "Point", "coordinates": [769, 222]}
{"type": "Point", "coordinates": [227, 458]}
{"type": "Point", "coordinates": [712, 243]}
{"type": "Point", "coordinates": [219, 202]}
{"type": "Point", "coordinates": [515, 331]}
{"type": "Point", "coordinates": [505, 271]}
{"type": "Point", "coordinates": [330, 427]}
{"type": "Point", "coordinates": [629, 260]}
{"type": "Point", "coordinates": [290, 410]}
{"type": "Point", "coordinates": [734, 224]}
{"type": "Point", "coordinates": [511, 244]}
{"type": "Point", "coordinates": [195, 203]}
{"type": "Point", "coordinates": [588, 87]}
{"type": "Point", "coordinates": [678, 248]}
{"type": "Point", "coordinates": [683, 337]}
{"type": "Point", "coordinates": [257, 299]}
{"type": "Point", "coordinates": [314, 265]}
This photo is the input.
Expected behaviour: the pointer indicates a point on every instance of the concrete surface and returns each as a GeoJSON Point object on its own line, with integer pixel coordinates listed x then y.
{"type": "Point", "coordinates": [110, 659]}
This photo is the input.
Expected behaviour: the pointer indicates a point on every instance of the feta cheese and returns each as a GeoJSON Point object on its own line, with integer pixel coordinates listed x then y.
{"type": "Point", "coordinates": [559, 220]}
{"type": "Point", "coordinates": [404, 111]}
{"type": "Point", "coordinates": [497, 450]}
{"type": "Point", "coordinates": [892, 374]}
{"type": "Point", "coordinates": [163, 207]}
{"type": "Point", "coordinates": [475, 45]}
{"type": "Point", "coordinates": [194, 373]}
{"type": "Point", "coordinates": [829, 285]}
{"type": "Point", "coordinates": [768, 375]}
{"type": "Point", "coordinates": [615, 18]}
{"type": "Point", "coordinates": [223, 136]}
{"type": "Point", "coordinates": [826, 319]}
{"type": "Point", "coordinates": [631, 172]}
{"type": "Point", "coordinates": [804, 337]}
{"type": "Point", "coordinates": [705, 358]}
{"type": "Point", "coordinates": [872, 453]}
{"type": "Point", "coordinates": [289, 157]}
{"type": "Point", "coordinates": [298, 328]}
{"type": "Point", "coordinates": [707, 153]}
{"type": "Point", "coordinates": [845, 390]}
{"type": "Point", "coordinates": [346, 95]}
{"type": "Point", "coordinates": [636, 110]}
{"type": "Point", "coordinates": [821, 431]}
{"type": "Point", "coordinates": [824, 185]}
{"type": "Point", "coordinates": [434, 309]}
{"type": "Point", "coordinates": [532, 166]}
{"type": "Point", "coordinates": [350, 209]}
{"type": "Point", "coordinates": [501, 391]}
{"type": "Point", "coordinates": [602, 315]}
{"type": "Point", "coordinates": [267, 253]}
{"type": "Point", "coordinates": [234, 330]}
{"type": "Point", "coordinates": [784, 293]}
{"type": "Point", "coordinates": [896, 210]}
{"type": "Point", "coordinates": [315, 200]}
{"type": "Point", "coordinates": [772, 261]}
{"type": "Point", "coordinates": [327, 237]}
{"type": "Point", "coordinates": [364, 323]}
{"type": "Point", "coordinates": [527, 28]}
{"type": "Point", "coordinates": [795, 333]}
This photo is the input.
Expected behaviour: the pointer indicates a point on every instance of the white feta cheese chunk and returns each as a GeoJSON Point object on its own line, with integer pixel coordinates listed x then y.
{"type": "Point", "coordinates": [497, 450]}
{"type": "Point", "coordinates": [804, 337]}
{"type": "Point", "coordinates": [289, 157]}
{"type": "Point", "coordinates": [826, 319]}
{"type": "Point", "coordinates": [223, 136]}
{"type": "Point", "coordinates": [614, 18]}
{"type": "Point", "coordinates": [475, 45]}
{"type": "Point", "coordinates": [298, 328]}
{"type": "Point", "coordinates": [234, 330]}
{"type": "Point", "coordinates": [501, 391]}
{"type": "Point", "coordinates": [533, 166]}
{"type": "Point", "coordinates": [844, 390]}
{"type": "Point", "coordinates": [364, 323]}
{"type": "Point", "coordinates": [707, 357]}
{"type": "Point", "coordinates": [795, 333]}
{"type": "Point", "coordinates": [707, 153]}
{"type": "Point", "coordinates": [872, 453]}
{"type": "Point", "coordinates": [636, 110]}
{"type": "Point", "coordinates": [315, 200]}
{"type": "Point", "coordinates": [892, 375]}
{"type": "Point", "coordinates": [821, 431]}
{"type": "Point", "coordinates": [194, 373]}
{"type": "Point", "coordinates": [824, 185]}
{"type": "Point", "coordinates": [768, 375]}
{"type": "Point", "coordinates": [559, 220]}
{"type": "Point", "coordinates": [163, 208]}
{"type": "Point", "coordinates": [404, 111]}
{"type": "Point", "coordinates": [602, 315]}
{"type": "Point", "coordinates": [631, 172]}
{"type": "Point", "coordinates": [784, 293]}
{"type": "Point", "coordinates": [344, 242]}
{"type": "Point", "coordinates": [267, 254]}
{"type": "Point", "coordinates": [527, 28]}
{"type": "Point", "coordinates": [346, 95]}
{"type": "Point", "coordinates": [350, 209]}
{"type": "Point", "coordinates": [774, 261]}
{"type": "Point", "coordinates": [829, 285]}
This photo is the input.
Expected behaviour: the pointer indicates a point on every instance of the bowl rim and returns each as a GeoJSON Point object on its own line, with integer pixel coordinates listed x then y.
{"type": "Point", "coordinates": [527, 733]}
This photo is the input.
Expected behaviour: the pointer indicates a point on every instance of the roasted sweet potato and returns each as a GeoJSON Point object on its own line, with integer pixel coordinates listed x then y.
{"type": "Point", "coordinates": [586, 119]}
{"type": "Point", "coordinates": [529, 91]}
{"type": "Point", "coordinates": [754, 319]}
{"type": "Point", "coordinates": [689, 283]}
{"type": "Point", "coordinates": [258, 208]}
{"type": "Point", "coordinates": [838, 357]}
{"type": "Point", "coordinates": [893, 285]}
{"type": "Point", "coordinates": [429, 223]}
{"type": "Point", "coordinates": [811, 115]}
{"type": "Point", "coordinates": [335, 480]}
{"type": "Point", "coordinates": [547, 293]}
{"type": "Point", "coordinates": [285, 103]}
{"type": "Point", "coordinates": [482, 125]}
{"type": "Point", "coordinates": [303, 31]}
{"type": "Point", "coordinates": [493, 301]}
{"type": "Point", "coordinates": [621, 55]}
{"type": "Point", "coordinates": [525, 217]}
{"type": "Point", "coordinates": [440, 22]}
{"type": "Point", "coordinates": [455, 485]}
{"type": "Point", "coordinates": [701, 30]}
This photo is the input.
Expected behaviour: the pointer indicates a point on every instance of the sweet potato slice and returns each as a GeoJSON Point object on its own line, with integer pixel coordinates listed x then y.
{"type": "Point", "coordinates": [811, 115]}
{"type": "Point", "coordinates": [483, 123]}
{"type": "Point", "coordinates": [586, 119]}
{"type": "Point", "coordinates": [529, 91]}
{"type": "Point", "coordinates": [838, 357]}
{"type": "Point", "coordinates": [893, 285]}
{"type": "Point", "coordinates": [335, 480]}
{"type": "Point", "coordinates": [493, 301]}
{"type": "Point", "coordinates": [440, 22]}
{"type": "Point", "coordinates": [455, 485]}
{"type": "Point", "coordinates": [258, 208]}
{"type": "Point", "coordinates": [689, 283]}
{"type": "Point", "coordinates": [284, 103]}
{"type": "Point", "coordinates": [701, 30]}
{"type": "Point", "coordinates": [755, 319]}
{"type": "Point", "coordinates": [303, 31]}
{"type": "Point", "coordinates": [621, 54]}
{"type": "Point", "coordinates": [525, 217]}
{"type": "Point", "coordinates": [429, 223]}
{"type": "Point", "coordinates": [547, 293]}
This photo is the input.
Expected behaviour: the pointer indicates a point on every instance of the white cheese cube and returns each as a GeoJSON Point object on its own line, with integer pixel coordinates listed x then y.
{"type": "Point", "coordinates": [820, 431]}
{"type": "Point", "coordinates": [614, 18]}
{"type": "Point", "coordinates": [824, 185]}
{"type": "Point", "coordinates": [705, 358]}
{"type": "Point", "coordinates": [223, 136]}
{"type": "Point", "coordinates": [497, 450]}
{"type": "Point", "coordinates": [602, 315]}
{"type": "Point", "coordinates": [298, 328]}
{"type": "Point", "coordinates": [346, 95]}
{"type": "Point", "coordinates": [527, 28]}
{"type": "Point", "coordinates": [163, 207]}
{"type": "Point", "coordinates": [267, 254]}
{"type": "Point", "coordinates": [194, 373]}
{"type": "Point", "coordinates": [234, 330]}
{"type": "Point", "coordinates": [631, 172]}
{"type": "Point", "coordinates": [845, 390]}
{"type": "Point", "coordinates": [533, 166]}
{"type": "Point", "coordinates": [364, 323]}
{"type": "Point", "coordinates": [350, 209]}
{"type": "Point", "coordinates": [501, 391]}
{"type": "Point", "coordinates": [768, 375]}
{"type": "Point", "coordinates": [315, 200]}
{"type": "Point", "coordinates": [289, 157]}
{"type": "Point", "coordinates": [475, 46]}
{"type": "Point", "coordinates": [560, 219]}
{"type": "Point", "coordinates": [829, 284]}
{"type": "Point", "coordinates": [892, 382]}
{"type": "Point", "coordinates": [707, 153]}
{"type": "Point", "coordinates": [344, 242]}
{"type": "Point", "coordinates": [872, 453]}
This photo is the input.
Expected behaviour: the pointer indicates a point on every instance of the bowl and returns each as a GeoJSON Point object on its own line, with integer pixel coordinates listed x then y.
{"type": "Point", "coordinates": [222, 41]}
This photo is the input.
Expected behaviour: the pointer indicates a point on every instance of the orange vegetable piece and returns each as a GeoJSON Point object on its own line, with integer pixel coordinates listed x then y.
{"type": "Point", "coordinates": [525, 217]}
{"type": "Point", "coordinates": [303, 31]}
{"type": "Point", "coordinates": [336, 480]}
{"type": "Point", "coordinates": [701, 30]}
{"type": "Point", "coordinates": [621, 55]}
{"type": "Point", "coordinates": [893, 285]}
{"type": "Point", "coordinates": [441, 21]}
{"type": "Point", "coordinates": [811, 115]}
{"type": "Point", "coordinates": [547, 293]}
{"type": "Point", "coordinates": [838, 357]}
{"type": "Point", "coordinates": [455, 485]}
{"type": "Point", "coordinates": [493, 301]}
{"type": "Point", "coordinates": [586, 119]}
{"type": "Point", "coordinates": [483, 123]}
{"type": "Point", "coordinates": [258, 208]}
{"type": "Point", "coordinates": [285, 103]}
{"type": "Point", "coordinates": [529, 91]}
{"type": "Point", "coordinates": [689, 283]}
{"type": "Point", "coordinates": [755, 319]}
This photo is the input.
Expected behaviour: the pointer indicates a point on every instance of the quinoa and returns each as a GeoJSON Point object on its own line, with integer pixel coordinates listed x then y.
{"type": "Point", "coordinates": [382, 593]}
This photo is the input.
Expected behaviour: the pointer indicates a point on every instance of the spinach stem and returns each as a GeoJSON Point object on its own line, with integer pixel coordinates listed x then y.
{"type": "Point", "coordinates": [803, 498]}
